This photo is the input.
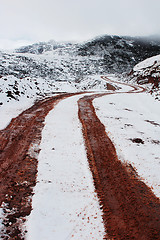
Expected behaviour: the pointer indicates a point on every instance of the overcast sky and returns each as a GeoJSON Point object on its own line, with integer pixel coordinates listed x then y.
{"type": "Point", "coordinates": [28, 21]}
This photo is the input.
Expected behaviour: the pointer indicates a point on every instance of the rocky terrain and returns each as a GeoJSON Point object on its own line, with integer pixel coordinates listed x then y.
{"type": "Point", "coordinates": [49, 67]}
{"type": "Point", "coordinates": [147, 73]}
{"type": "Point", "coordinates": [120, 54]}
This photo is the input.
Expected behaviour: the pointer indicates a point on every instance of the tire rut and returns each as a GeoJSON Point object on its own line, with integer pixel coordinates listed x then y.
{"type": "Point", "coordinates": [130, 209]}
{"type": "Point", "coordinates": [19, 148]}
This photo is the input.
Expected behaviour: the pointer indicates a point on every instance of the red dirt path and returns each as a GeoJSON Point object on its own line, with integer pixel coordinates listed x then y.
{"type": "Point", "coordinates": [130, 209]}
{"type": "Point", "coordinates": [18, 167]}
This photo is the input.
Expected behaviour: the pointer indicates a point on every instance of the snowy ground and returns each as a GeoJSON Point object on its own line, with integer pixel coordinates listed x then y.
{"type": "Point", "coordinates": [65, 205]}
{"type": "Point", "coordinates": [12, 110]}
{"type": "Point", "coordinates": [149, 62]}
{"type": "Point", "coordinates": [129, 116]}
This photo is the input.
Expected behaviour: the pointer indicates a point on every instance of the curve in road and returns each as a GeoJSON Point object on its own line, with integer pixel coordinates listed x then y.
{"type": "Point", "coordinates": [131, 210]}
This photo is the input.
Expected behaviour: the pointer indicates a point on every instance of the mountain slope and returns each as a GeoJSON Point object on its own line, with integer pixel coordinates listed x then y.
{"type": "Point", "coordinates": [147, 72]}
{"type": "Point", "coordinates": [49, 67]}
{"type": "Point", "coordinates": [120, 54]}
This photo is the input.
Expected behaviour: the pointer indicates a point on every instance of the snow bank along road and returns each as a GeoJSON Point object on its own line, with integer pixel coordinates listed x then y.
{"type": "Point", "coordinates": [62, 207]}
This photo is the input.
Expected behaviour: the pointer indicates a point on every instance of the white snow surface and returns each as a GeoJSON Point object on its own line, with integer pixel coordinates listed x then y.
{"type": "Point", "coordinates": [65, 205]}
{"type": "Point", "coordinates": [12, 110]}
{"type": "Point", "coordinates": [129, 116]}
{"type": "Point", "coordinates": [147, 63]}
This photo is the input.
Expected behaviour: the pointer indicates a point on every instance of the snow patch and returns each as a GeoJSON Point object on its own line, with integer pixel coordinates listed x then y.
{"type": "Point", "coordinates": [147, 63]}
{"type": "Point", "coordinates": [12, 110]}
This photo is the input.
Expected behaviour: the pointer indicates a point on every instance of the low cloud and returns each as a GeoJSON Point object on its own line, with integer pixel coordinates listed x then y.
{"type": "Point", "coordinates": [39, 20]}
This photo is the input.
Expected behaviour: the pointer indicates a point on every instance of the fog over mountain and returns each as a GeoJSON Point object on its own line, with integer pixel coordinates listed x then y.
{"type": "Point", "coordinates": [39, 20]}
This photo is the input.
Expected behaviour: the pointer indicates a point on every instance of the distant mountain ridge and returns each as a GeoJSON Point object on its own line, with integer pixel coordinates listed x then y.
{"type": "Point", "coordinates": [41, 47]}
{"type": "Point", "coordinates": [45, 67]}
{"type": "Point", "coordinates": [118, 53]}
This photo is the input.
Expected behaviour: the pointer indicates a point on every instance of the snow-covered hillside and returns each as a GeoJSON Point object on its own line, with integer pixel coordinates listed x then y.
{"type": "Point", "coordinates": [148, 63]}
{"type": "Point", "coordinates": [120, 54]}
{"type": "Point", "coordinates": [31, 75]}
{"type": "Point", "coordinates": [45, 68]}
{"type": "Point", "coordinates": [147, 73]}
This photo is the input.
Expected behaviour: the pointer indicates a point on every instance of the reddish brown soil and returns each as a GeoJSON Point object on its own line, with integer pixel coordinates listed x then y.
{"type": "Point", "coordinates": [130, 209]}
{"type": "Point", "coordinates": [110, 87]}
{"type": "Point", "coordinates": [18, 167]}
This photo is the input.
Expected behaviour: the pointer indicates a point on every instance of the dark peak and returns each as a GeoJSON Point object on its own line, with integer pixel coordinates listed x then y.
{"type": "Point", "coordinates": [107, 39]}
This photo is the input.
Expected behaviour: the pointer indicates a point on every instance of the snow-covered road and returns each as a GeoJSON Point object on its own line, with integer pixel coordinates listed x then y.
{"type": "Point", "coordinates": [65, 204]}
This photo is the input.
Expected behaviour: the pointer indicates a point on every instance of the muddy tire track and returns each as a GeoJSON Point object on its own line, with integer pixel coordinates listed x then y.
{"type": "Point", "coordinates": [134, 89]}
{"type": "Point", "coordinates": [19, 150]}
{"type": "Point", "coordinates": [130, 209]}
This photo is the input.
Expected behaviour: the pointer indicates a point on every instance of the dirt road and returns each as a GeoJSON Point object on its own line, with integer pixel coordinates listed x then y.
{"type": "Point", "coordinates": [130, 209]}
{"type": "Point", "coordinates": [19, 149]}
